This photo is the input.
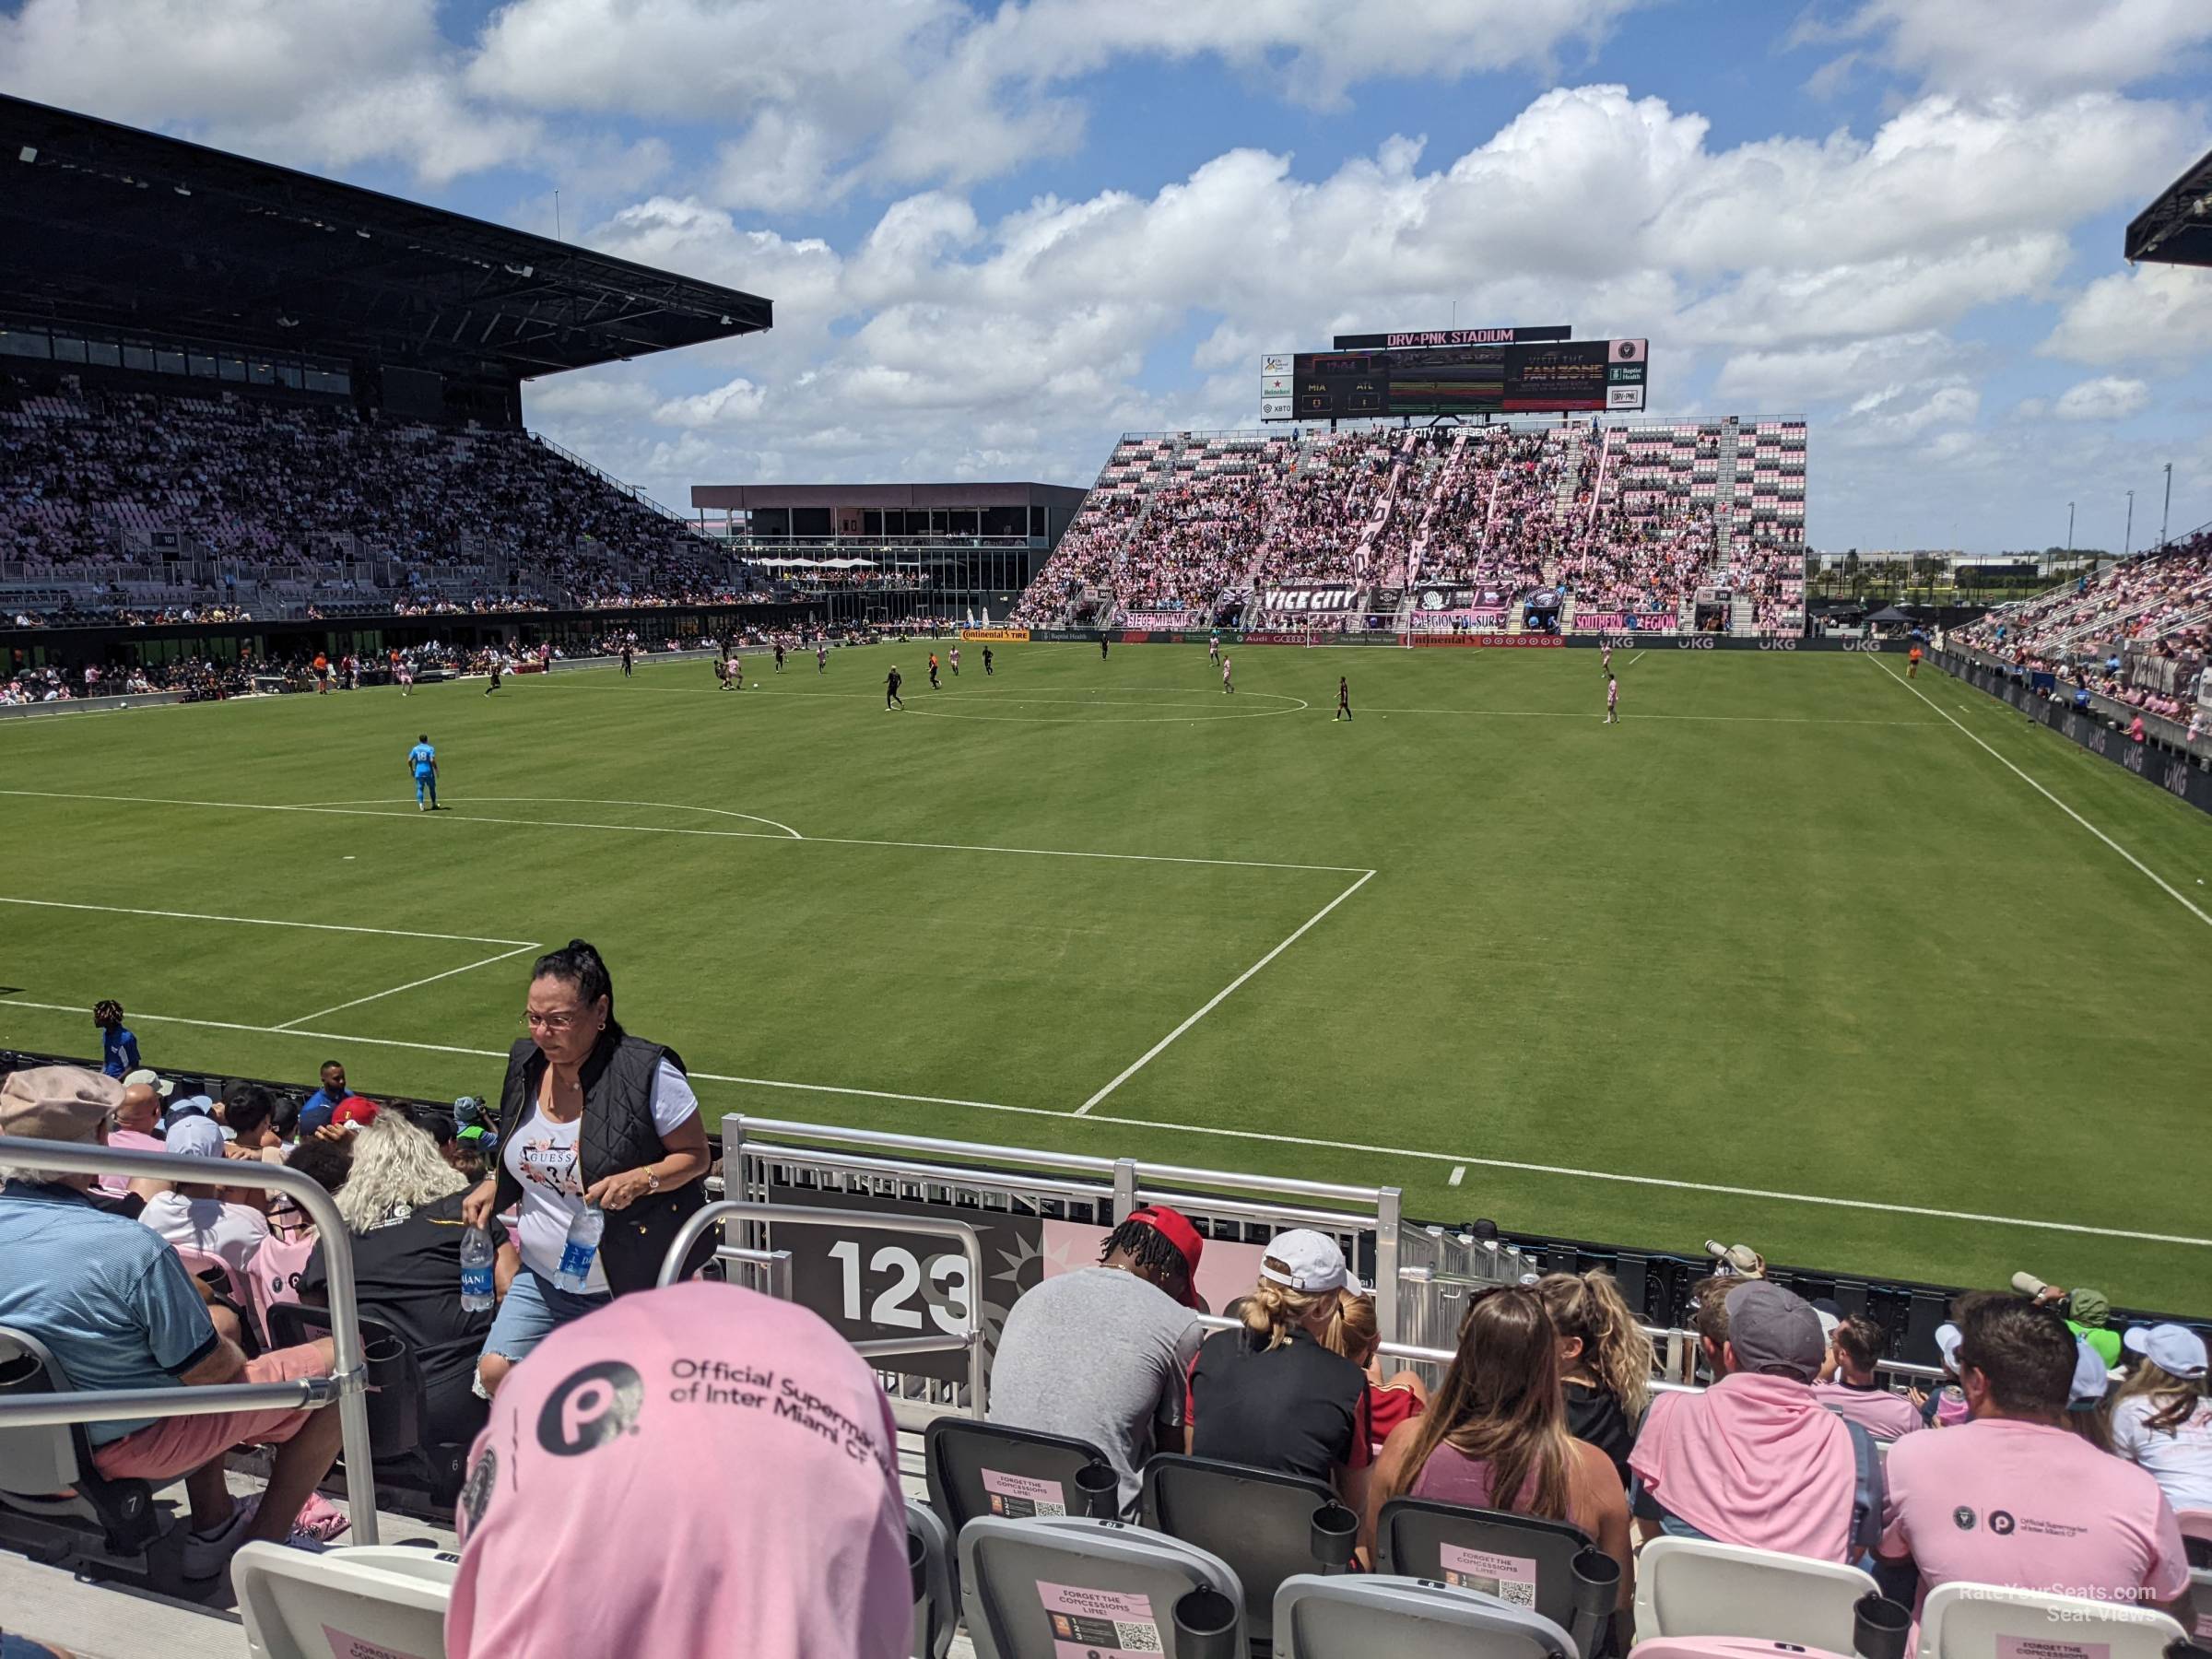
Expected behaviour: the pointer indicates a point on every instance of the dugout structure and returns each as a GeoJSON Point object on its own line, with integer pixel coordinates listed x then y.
{"type": "Point", "coordinates": [130, 256]}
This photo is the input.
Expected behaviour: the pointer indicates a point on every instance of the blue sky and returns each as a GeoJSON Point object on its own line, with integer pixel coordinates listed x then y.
{"type": "Point", "coordinates": [998, 237]}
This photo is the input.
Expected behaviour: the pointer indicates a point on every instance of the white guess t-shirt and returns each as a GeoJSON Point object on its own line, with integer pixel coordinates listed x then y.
{"type": "Point", "coordinates": [542, 1156]}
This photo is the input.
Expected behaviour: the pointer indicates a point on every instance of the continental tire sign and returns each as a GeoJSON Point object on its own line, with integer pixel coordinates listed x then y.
{"type": "Point", "coordinates": [994, 633]}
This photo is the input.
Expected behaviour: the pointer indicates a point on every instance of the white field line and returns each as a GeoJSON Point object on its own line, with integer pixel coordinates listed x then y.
{"type": "Point", "coordinates": [404, 809]}
{"type": "Point", "coordinates": [2164, 886]}
{"type": "Point", "coordinates": [427, 980]}
{"type": "Point", "coordinates": [1562, 1171]}
{"type": "Point", "coordinates": [390, 932]}
{"type": "Point", "coordinates": [1569, 715]}
{"type": "Point", "coordinates": [1634, 660]}
{"type": "Point", "coordinates": [1220, 996]}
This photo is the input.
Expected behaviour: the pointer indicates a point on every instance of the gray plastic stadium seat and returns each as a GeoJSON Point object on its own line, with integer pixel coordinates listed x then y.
{"type": "Point", "coordinates": [1028, 1587]}
{"type": "Point", "coordinates": [1267, 1526]}
{"type": "Point", "coordinates": [302, 1606]}
{"type": "Point", "coordinates": [937, 1598]}
{"type": "Point", "coordinates": [54, 1502]}
{"type": "Point", "coordinates": [1035, 1474]}
{"type": "Point", "coordinates": [1881, 1631]}
{"type": "Point", "coordinates": [1547, 1567]}
{"type": "Point", "coordinates": [1346, 1617]}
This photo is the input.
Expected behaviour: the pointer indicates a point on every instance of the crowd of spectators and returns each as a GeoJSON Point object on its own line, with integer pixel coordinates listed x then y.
{"type": "Point", "coordinates": [2077, 1446]}
{"type": "Point", "coordinates": [323, 502]}
{"type": "Point", "coordinates": [2164, 597]}
{"type": "Point", "coordinates": [1189, 532]}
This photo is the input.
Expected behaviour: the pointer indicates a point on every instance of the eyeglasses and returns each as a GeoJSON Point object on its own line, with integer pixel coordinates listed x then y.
{"type": "Point", "coordinates": [556, 1022]}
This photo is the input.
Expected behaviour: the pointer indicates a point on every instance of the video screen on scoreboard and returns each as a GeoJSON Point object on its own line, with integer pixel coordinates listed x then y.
{"type": "Point", "coordinates": [1470, 379]}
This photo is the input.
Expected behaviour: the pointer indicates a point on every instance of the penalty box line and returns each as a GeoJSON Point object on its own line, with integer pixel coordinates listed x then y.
{"type": "Point", "coordinates": [1511, 1165]}
{"type": "Point", "coordinates": [449, 816]}
{"type": "Point", "coordinates": [1220, 997]}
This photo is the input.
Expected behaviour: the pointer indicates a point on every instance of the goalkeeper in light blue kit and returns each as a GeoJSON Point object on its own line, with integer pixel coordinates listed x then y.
{"type": "Point", "coordinates": [422, 761]}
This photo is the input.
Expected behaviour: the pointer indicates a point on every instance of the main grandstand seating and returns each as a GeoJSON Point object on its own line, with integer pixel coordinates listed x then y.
{"type": "Point", "coordinates": [1623, 519]}
{"type": "Point", "coordinates": [108, 499]}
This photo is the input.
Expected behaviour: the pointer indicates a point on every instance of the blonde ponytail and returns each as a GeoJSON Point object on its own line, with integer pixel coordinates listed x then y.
{"type": "Point", "coordinates": [1274, 1311]}
{"type": "Point", "coordinates": [1615, 1350]}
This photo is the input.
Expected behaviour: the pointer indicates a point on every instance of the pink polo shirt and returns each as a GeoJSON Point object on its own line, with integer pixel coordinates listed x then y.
{"type": "Point", "coordinates": [1995, 1501]}
{"type": "Point", "coordinates": [1885, 1415]}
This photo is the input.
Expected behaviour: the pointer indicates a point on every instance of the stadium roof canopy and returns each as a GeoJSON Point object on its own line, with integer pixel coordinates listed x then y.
{"type": "Point", "coordinates": [108, 225]}
{"type": "Point", "coordinates": [2176, 228]}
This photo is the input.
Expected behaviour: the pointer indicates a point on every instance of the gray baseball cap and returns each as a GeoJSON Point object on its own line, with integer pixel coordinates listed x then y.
{"type": "Point", "coordinates": [1772, 1329]}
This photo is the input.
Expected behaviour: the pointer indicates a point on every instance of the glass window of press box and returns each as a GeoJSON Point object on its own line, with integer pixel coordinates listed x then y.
{"type": "Point", "coordinates": [96, 350]}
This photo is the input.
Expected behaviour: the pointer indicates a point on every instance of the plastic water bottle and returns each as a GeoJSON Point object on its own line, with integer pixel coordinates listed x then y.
{"type": "Point", "coordinates": [475, 1271]}
{"type": "Point", "coordinates": [583, 1247]}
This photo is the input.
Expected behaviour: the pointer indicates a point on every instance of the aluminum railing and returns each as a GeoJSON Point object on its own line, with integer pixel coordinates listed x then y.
{"type": "Point", "coordinates": [970, 1341]}
{"type": "Point", "coordinates": [344, 1387]}
{"type": "Point", "coordinates": [1131, 1179]}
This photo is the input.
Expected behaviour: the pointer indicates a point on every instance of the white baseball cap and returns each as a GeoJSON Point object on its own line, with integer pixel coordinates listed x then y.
{"type": "Point", "coordinates": [2175, 1349]}
{"type": "Point", "coordinates": [1308, 1261]}
{"type": "Point", "coordinates": [196, 1137]}
{"type": "Point", "coordinates": [2090, 1378]}
{"type": "Point", "coordinates": [152, 1080]}
{"type": "Point", "coordinates": [1947, 1337]}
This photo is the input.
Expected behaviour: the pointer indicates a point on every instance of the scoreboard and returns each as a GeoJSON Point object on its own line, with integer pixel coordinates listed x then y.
{"type": "Point", "coordinates": [1517, 378]}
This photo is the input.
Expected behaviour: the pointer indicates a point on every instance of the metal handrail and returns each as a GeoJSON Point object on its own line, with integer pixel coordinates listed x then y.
{"type": "Point", "coordinates": [970, 1341]}
{"type": "Point", "coordinates": [1124, 1173]}
{"type": "Point", "coordinates": [344, 1386]}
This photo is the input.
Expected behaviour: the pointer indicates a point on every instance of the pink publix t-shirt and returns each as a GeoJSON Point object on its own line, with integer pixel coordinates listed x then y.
{"type": "Point", "coordinates": [1996, 1501]}
{"type": "Point", "coordinates": [696, 1472]}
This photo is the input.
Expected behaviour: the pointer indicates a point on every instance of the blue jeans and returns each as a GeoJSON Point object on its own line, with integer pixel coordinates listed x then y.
{"type": "Point", "coordinates": [529, 1313]}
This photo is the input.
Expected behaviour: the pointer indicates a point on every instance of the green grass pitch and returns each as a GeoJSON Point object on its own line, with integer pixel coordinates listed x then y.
{"type": "Point", "coordinates": [1786, 929]}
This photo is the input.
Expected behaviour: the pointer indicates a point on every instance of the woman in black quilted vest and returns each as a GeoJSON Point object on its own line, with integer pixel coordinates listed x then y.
{"type": "Point", "coordinates": [594, 1124]}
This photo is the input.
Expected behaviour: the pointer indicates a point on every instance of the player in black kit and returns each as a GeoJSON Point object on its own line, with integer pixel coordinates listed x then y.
{"type": "Point", "coordinates": [626, 656]}
{"type": "Point", "coordinates": [986, 662]}
{"type": "Point", "coordinates": [779, 656]}
{"type": "Point", "coordinates": [890, 690]}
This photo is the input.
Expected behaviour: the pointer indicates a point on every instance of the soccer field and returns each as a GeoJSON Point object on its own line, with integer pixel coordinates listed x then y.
{"type": "Point", "coordinates": [1786, 957]}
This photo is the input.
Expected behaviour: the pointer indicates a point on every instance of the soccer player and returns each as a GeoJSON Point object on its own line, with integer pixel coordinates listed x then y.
{"type": "Point", "coordinates": [499, 664]}
{"type": "Point", "coordinates": [1612, 701]}
{"type": "Point", "coordinates": [1605, 650]}
{"type": "Point", "coordinates": [322, 675]}
{"type": "Point", "coordinates": [1227, 685]}
{"type": "Point", "coordinates": [403, 672]}
{"type": "Point", "coordinates": [1344, 699]}
{"type": "Point", "coordinates": [890, 690]}
{"type": "Point", "coordinates": [779, 656]}
{"type": "Point", "coordinates": [1101, 648]}
{"type": "Point", "coordinates": [821, 656]}
{"type": "Point", "coordinates": [934, 686]}
{"type": "Point", "coordinates": [733, 676]}
{"type": "Point", "coordinates": [955, 659]}
{"type": "Point", "coordinates": [986, 662]}
{"type": "Point", "coordinates": [422, 761]}
{"type": "Point", "coordinates": [1912, 663]}
{"type": "Point", "coordinates": [627, 655]}
{"type": "Point", "coordinates": [1213, 648]}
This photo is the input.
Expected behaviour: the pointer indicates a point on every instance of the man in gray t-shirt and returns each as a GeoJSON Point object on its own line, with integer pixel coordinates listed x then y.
{"type": "Point", "coordinates": [1102, 1353]}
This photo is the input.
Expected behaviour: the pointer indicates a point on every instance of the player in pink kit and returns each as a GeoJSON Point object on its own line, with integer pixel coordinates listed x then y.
{"type": "Point", "coordinates": [1608, 650]}
{"type": "Point", "coordinates": [954, 657]}
{"type": "Point", "coordinates": [1225, 684]}
{"type": "Point", "coordinates": [1612, 701]}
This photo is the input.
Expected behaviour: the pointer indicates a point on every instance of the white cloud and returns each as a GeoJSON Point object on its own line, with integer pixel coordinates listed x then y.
{"type": "Point", "coordinates": [2037, 45]}
{"type": "Point", "coordinates": [321, 82]}
{"type": "Point", "coordinates": [2108, 397]}
{"type": "Point", "coordinates": [2148, 314]}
